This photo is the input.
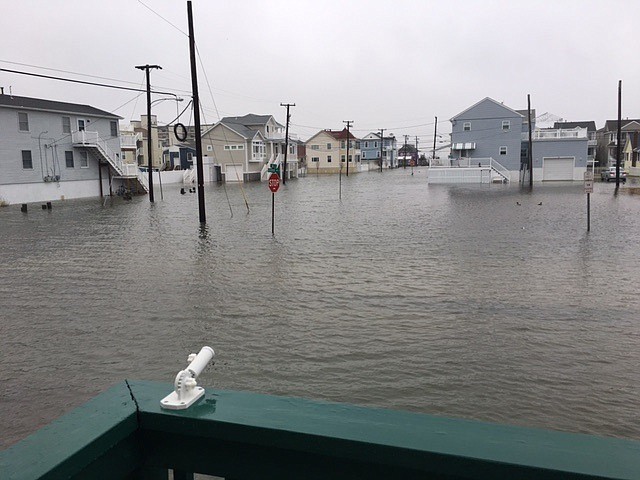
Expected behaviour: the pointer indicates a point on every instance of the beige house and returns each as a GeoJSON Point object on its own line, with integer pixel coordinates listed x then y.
{"type": "Point", "coordinates": [327, 151]}
{"type": "Point", "coordinates": [242, 147]}
{"type": "Point", "coordinates": [631, 152]}
{"type": "Point", "coordinates": [140, 127]}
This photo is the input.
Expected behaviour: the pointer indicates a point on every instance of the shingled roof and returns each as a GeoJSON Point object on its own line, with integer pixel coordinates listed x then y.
{"type": "Point", "coordinates": [27, 103]}
{"type": "Point", "coordinates": [250, 119]}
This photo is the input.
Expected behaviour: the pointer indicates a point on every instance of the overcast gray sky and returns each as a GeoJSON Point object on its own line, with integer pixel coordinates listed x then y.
{"type": "Point", "coordinates": [382, 64]}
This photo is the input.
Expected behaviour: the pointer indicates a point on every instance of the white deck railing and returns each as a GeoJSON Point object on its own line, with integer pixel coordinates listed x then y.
{"type": "Point", "coordinates": [92, 139]}
{"type": "Point", "coordinates": [557, 134]}
{"type": "Point", "coordinates": [469, 170]}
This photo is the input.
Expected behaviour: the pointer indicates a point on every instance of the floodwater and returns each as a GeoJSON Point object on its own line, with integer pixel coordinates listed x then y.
{"type": "Point", "coordinates": [477, 301]}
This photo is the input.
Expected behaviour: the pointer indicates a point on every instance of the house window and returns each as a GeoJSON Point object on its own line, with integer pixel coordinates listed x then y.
{"type": "Point", "coordinates": [506, 125]}
{"type": "Point", "coordinates": [292, 149]}
{"type": "Point", "coordinates": [364, 154]}
{"type": "Point", "coordinates": [342, 144]}
{"type": "Point", "coordinates": [84, 160]}
{"type": "Point", "coordinates": [315, 147]}
{"type": "Point", "coordinates": [189, 157]}
{"type": "Point", "coordinates": [66, 125]}
{"type": "Point", "coordinates": [350, 158]}
{"type": "Point", "coordinates": [328, 146]}
{"type": "Point", "coordinates": [234, 147]}
{"type": "Point", "coordinates": [366, 144]}
{"type": "Point", "coordinates": [82, 124]}
{"type": "Point", "coordinates": [124, 156]}
{"type": "Point", "coordinates": [357, 158]}
{"type": "Point", "coordinates": [68, 159]}
{"type": "Point", "coordinates": [209, 148]}
{"type": "Point", "coordinates": [503, 150]}
{"type": "Point", "coordinates": [342, 158]}
{"type": "Point", "coordinates": [466, 126]}
{"type": "Point", "coordinates": [114, 128]}
{"type": "Point", "coordinates": [375, 144]}
{"type": "Point", "coordinates": [315, 159]}
{"type": "Point", "coordinates": [27, 161]}
{"type": "Point", "coordinates": [23, 122]}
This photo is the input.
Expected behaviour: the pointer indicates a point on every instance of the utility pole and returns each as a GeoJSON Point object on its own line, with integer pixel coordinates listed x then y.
{"type": "Point", "coordinates": [348, 122]}
{"type": "Point", "coordinates": [530, 155]}
{"type": "Point", "coordinates": [417, 151]}
{"type": "Point", "coordinates": [286, 142]}
{"type": "Point", "coordinates": [146, 68]}
{"type": "Point", "coordinates": [404, 157]}
{"type": "Point", "coordinates": [196, 116]}
{"type": "Point", "coordinates": [435, 135]}
{"type": "Point", "coordinates": [381, 143]}
{"type": "Point", "coordinates": [619, 137]}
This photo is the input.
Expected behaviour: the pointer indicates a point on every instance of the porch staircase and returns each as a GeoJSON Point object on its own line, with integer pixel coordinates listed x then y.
{"type": "Point", "coordinates": [92, 142]}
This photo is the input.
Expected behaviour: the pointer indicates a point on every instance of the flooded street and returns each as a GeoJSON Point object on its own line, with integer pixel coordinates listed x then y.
{"type": "Point", "coordinates": [477, 301]}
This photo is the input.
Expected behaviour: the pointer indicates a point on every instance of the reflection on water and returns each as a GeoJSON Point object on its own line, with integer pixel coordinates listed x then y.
{"type": "Point", "coordinates": [485, 302]}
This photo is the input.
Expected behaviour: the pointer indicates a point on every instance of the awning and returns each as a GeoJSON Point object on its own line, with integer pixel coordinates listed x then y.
{"type": "Point", "coordinates": [464, 146]}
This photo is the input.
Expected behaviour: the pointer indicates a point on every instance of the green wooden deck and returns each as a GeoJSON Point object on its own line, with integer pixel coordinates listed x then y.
{"type": "Point", "coordinates": [241, 435]}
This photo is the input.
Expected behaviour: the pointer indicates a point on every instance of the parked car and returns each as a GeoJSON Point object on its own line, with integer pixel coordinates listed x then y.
{"type": "Point", "coordinates": [609, 174]}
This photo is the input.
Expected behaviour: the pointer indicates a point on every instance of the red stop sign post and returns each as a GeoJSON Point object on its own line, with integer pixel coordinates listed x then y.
{"type": "Point", "coordinates": [274, 185]}
{"type": "Point", "coordinates": [274, 182]}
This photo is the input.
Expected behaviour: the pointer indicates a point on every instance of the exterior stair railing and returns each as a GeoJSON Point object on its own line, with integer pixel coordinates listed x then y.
{"type": "Point", "coordinates": [92, 140]}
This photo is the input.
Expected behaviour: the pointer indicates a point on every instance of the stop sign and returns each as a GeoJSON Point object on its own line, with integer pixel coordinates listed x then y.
{"type": "Point", "coordinates": [274, 182]}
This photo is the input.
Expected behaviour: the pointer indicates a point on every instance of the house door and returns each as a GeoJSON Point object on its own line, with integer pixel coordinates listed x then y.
{"type": "Point", "coordinates": [82, 124]}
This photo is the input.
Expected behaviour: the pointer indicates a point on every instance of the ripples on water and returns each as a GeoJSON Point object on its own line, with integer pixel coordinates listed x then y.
{"type": "Point", "coordinates": [450, 300]}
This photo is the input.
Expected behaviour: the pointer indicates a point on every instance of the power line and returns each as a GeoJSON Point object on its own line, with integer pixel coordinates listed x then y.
{"type": "Point", "coordinates": [83, 82]}
{"type": "Point", "coordinates": [156, 13]}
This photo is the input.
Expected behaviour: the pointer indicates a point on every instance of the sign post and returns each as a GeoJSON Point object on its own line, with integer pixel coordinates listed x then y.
{"type": "Point", "coordinates": [588, 189]}
{"type": "Point", "coordinates": [274, 185]}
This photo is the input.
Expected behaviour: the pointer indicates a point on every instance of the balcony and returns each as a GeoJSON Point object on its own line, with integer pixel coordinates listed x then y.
{"type": "Point", "coordinates": [275, 136]}
{"type": "Point", "coordinates": [123, 433]}
{"type": "Point", "coordinates": [130, 142]}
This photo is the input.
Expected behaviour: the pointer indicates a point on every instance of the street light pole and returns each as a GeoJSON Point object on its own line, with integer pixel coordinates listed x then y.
{"type": "Point", "coordinates": [146, 68]}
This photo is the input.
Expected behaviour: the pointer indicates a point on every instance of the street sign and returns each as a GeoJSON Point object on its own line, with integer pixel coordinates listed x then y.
{"type": "Point", "coordinates": [273, 168]}
{"type": "Point", "coordinates": [588, 176]}
{"type": "Point", "coordinates": [274, 182]}
{"type": "Point", "coordinates": [588, 186]}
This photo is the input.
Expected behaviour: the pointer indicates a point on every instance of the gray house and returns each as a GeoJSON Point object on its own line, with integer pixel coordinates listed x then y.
{"type": "Point", "coordinates": [485, 130]}
{"type": "Point", "coordinates": [492, 139]}
{"type": "Point", "coordinates": [53, 150]}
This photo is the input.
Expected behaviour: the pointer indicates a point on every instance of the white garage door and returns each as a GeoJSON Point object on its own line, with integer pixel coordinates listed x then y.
{"type": "Point", "coordinates": [557, 168]}
{"type": "Point", "coordinates": [233, 173]}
